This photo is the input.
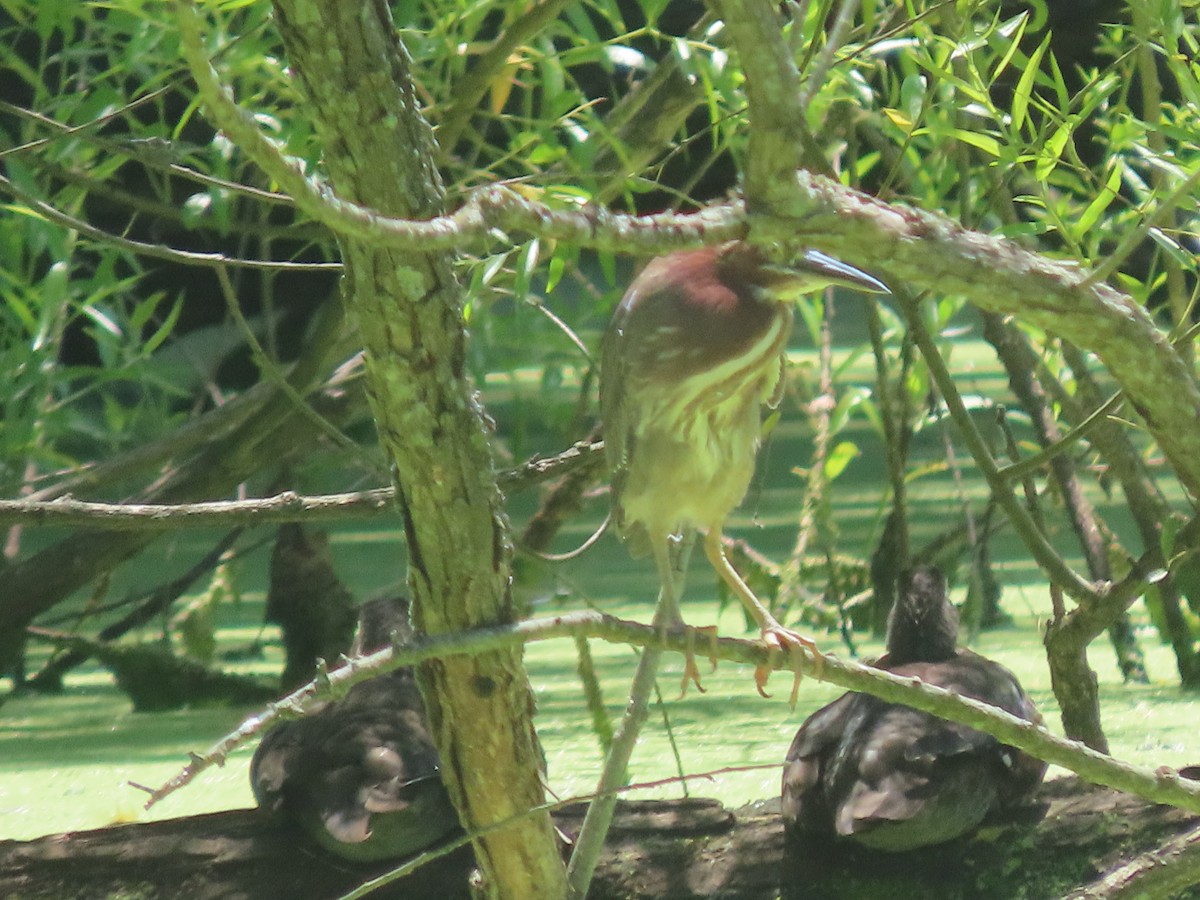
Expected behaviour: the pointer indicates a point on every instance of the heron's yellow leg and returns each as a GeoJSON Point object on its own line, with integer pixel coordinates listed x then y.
{"type": "Point", "coordinates": [667, 616]}
{"type": "Point", "coordinates": [774, 635]}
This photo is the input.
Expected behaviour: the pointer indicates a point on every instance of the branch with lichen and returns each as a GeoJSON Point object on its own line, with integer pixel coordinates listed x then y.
{"type": "Point", "coordinates": [488, 214]}
{"type": "Point", "coordinates": [1161, 785]}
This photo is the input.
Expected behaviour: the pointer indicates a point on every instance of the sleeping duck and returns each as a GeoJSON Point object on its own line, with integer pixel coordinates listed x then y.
{"type": "Point", "coordinates": [891, 777]}
{"type": "Point", "coordinates": [360, 775]}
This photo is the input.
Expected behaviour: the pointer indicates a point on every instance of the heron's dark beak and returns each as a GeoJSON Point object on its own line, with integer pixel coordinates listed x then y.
{"type": "Point", "coordinates": [840, 273]}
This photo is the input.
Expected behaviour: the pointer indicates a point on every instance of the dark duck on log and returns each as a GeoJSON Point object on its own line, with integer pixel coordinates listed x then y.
{"type": "Point", "coordinates": [360, 775]}
{"type": "Point", "coordinates": [894, 778]}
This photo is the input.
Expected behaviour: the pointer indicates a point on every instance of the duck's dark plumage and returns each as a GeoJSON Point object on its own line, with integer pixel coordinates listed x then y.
{"type": "Point", "coordinates": [895, 778]}
{"type": "Point", "coordinates": [361, 774]}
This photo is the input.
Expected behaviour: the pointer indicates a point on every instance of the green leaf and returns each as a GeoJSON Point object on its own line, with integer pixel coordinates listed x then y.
{"type": "Point", "coordinates": [871, 413]}
{"type": "Point", "coordinates": [608, 265]}
{"type": "Point", "coordinates": [912, 95]}
{"type": "Point", "coordinates": [811, 309]}
{"type": "Point", "coordinates": [1017, 25]}
{"type": "Point", "coordinates": [144, 310]}
{"type": "Point", "coordinates": [840, 457]}
{"type": "Point", "coordinates": [1024, 88]}
{"type": "Point", "coordinates": [554, 274]}
{"type": "Point", "coordinates": [846, 404]}
{"type": "Point", "coordinates": [984, 142]}
{"type": "Point", "coordinates": [164, 330]}
{"type": "Point", "coordinates": [1103, 200]}
{"type": "Point", "coordinates": [932, 468]}
{"type": "Point", "coordinates": [21, 310]}
{"type": "Point", "coordinates": [770, 422]}
{"type": "Point", "coordinates": [1052, 151]}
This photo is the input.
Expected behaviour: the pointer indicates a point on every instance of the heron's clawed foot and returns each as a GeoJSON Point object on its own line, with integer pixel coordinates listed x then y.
{"type": "Point", "coordinates": [777, 638]}
{"type": "Point", "coordinates": [691, 672]}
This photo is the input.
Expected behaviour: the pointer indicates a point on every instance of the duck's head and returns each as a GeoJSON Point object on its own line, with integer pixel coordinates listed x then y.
{"type": "Point", "coordinates": [923, 624]}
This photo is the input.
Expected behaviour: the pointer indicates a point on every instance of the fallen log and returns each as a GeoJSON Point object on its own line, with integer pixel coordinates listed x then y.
{"type": "Point", "coordinates": [691, 848]}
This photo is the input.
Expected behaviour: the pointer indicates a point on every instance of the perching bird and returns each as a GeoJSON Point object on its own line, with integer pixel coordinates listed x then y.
{"type": "Point", "coordinates": [360, 775]}
{"type": "Point", "coordinates": [694, 351]}
{"type": "Point", "coordinates": [891, 777]}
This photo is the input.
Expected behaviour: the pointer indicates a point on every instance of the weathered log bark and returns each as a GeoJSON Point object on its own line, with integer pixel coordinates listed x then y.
{"type": "Point", "coordinates": [656, 849]}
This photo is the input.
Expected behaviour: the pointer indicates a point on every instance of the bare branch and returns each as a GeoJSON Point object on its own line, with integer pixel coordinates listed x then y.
{"type": "Point", "coordinates": [1161, 785]}
{"type": "Point", "coordinates": [1045, 554]}
{"type": "Point", "coordinates": [285, 507]}
{"type": "Point", "coordinates": [271, 372]}
{"type": "Point", "coordinates": [920, 248]}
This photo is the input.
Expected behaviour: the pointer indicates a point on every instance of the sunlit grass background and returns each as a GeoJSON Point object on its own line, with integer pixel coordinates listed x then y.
{"type": "Point", "coordinates": [65, 761]}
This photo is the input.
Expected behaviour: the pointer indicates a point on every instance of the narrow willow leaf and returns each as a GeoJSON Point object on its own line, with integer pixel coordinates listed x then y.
{"type": "Point", "coordinates": [1024, 89]}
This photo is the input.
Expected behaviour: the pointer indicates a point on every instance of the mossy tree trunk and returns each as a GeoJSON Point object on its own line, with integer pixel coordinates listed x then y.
{"type": "Point", "coordinates": [379, 151]}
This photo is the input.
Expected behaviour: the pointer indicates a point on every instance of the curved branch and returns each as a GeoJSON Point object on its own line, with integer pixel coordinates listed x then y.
{"type": "Point", "coordinates": [929, 252]}
{"type": "Point", "coordinates": [1039, 545]}
{"type": "Point", "coordinates": [1162, 785]}
{"type": "Point", "coordinates": [923, 249]}
{"type": "Point", "coordinates": [487, 215]}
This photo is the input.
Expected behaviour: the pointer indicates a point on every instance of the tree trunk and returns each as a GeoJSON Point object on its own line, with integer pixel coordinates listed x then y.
{"type": "Point", "coordinates": [379, 151]}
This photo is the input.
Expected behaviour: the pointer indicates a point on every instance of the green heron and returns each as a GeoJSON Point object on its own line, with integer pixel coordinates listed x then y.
{"type": "Point", "coordinates": [695, 349]}
{"type": "Point", "coordinates": [891, 777]}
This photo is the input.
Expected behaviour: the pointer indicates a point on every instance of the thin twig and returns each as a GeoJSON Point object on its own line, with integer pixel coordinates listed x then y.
{"type": "Point", "coordinates": [815, 78]}
{"type": "Point", "coordinates": [287, 506]}
{"type": "Point", "coordinates": [592, 694]}
{"type": "Point", "coordinates": [270, 371]}
{"type": "Point", "coordinates": [1016, 471]}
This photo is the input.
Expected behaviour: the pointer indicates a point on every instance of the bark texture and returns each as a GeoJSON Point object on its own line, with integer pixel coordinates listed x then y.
{"type": "Point", "coordinates": [379, 151]}
{"type": "Point", "coordinates": [656, 849]}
